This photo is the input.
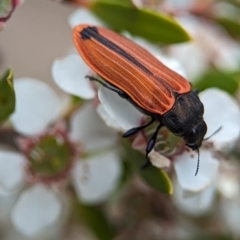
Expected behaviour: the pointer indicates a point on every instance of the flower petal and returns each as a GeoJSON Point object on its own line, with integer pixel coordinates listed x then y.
{"type": "Point", "coordinates": [70, 75]}
{"type": "Point", "coordinates": [95, 178]}
{"type": "Point", "coordinates": [82, 15]}
{"type": "Point", "coordinates": [198, 63]}
{"type": "Point", "coordinates": [106, 118]}
{"type": "Point", "coordinates": [185, 167]}
{"type": "Point", "coordinates": [6, 204]}
{"type": "Point", "coordinates": [11, 171]}
{"type": "Point", "coordinates": [36, 210]}
{"type": "Point", "coordinates": [37, 105]}
{"type": "Point", "coordinates": [197, 204]}
{"type": "Point", "coordinates": [121, 111]}
{"type": "Point", "coordinates": [158, 160]}
{"type": "Point", "coordinates": [224, 53]}
{"type": "Point", "coordinates": [228, 179]}
{"type": "Point", "coordinates": [221, 110]}
{"type": "Point", "coordinates": [88, 128]}
{"type": "Point", "coordinates": [172, 64]}
{"type": "Point", "coordinates": [179, 5]}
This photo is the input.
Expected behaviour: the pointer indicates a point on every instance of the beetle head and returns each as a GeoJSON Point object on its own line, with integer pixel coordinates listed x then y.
{"type": "Point", "coordinates": [194, 138]}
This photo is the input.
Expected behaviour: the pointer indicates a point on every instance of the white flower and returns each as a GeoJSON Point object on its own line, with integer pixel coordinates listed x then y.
{"type": "Point", "coordinates": [229, 189]}
{"type": "Point", "coordinates": [214, 100]}
{"type": "Point", "coordinates": [70, 74]}
{"type": "Point", "coordinates": [37, 105]}
{"type": "Point", "coordinates": [36, 210]}
{"type": "Point", "coordinates": [96, 176]}
{"type": "Point", "coordinates": [118, 109]}
{"type": "Point", "coordinates": [194, 204]}
{"type": "Point", "coordinates": [220, 110]}
{"type": "Point", "coordinates": [179, 5]}
{"type": "Point", "coordinates": [39, 206]}
{"type": "Point", "coordinates": [11, 162]}
{"type": "Point", "coordinates": [185, 166]}
{"type": "Point", "coordinates": [94, 179]}
{"type": "Point", "coordinates": [204, 49]}
{"type": "Point", "coordinates": [121, 115]}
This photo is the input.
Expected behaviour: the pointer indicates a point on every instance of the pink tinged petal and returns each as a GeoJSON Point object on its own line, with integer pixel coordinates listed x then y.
{"type": "Point", "coordinates": [195, 204]}
{"type": "Point", "coordinates": [220, 109]}
{"type": "Point", "coordinates": [37, 105]}
{"type": "Point", "coordinates": [139, 142]}
{"type": "Point", "coordinates": [70, 74]}
{"type": "Point", "coordinates": [82, 15]}
{"type": "Point", "coordinates": [37, 209]}
{"type": "Point", "coordinates": [185, 166]}
{"type": "Point", "coordinates": [158, 160]}
{"type": "Point", "coordinates": [119, 109]}
{"type": "Point", "coordinates": [89, 129]}
{"type": "Point", "coordinates": [96, 178]}
{"type": "Point", "coordinates": [106, 118]}
{"type": "Point", "coordinates": [12, 171]}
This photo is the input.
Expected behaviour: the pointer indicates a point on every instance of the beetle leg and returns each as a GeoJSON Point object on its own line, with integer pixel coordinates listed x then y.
{"type": "Point", "coordinates": [102, 83]}
{"type": "Point", "coordinates": [137, 129]}
{"type": "Point", "coordinates": [150, 145]}
{"type": "Point", "coordinates": [116, 90]}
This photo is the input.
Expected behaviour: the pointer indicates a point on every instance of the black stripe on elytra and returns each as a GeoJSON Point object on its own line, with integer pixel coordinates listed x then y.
{"type": "Point", "coordinates": [92, 32]}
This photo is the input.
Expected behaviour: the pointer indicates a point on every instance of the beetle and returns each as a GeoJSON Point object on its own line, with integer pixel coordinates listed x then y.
{"type": "Point", "coordinates": [137, 76]}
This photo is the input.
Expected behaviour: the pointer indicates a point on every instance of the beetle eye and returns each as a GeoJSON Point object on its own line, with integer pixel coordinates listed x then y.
{"type": "Point", "coordinates": [195, 137]}
{"type": "Point", "coordinates": [191, 138]}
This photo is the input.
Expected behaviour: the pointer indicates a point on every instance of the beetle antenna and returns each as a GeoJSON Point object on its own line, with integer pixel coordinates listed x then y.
{"type": "Point", "coordinates": [216, 131]}
{"type": "Point", "coordinates": [197, 162]}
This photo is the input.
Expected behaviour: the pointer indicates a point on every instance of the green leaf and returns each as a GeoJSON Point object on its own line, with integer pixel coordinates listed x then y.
{"type": "Point", "coordinates": [121, 2]}
{"type": "Point", "coordinates": [227, 81]}
{"type": "Point", "coordinates": [5, 8]}
{"type": "Point", "coordinates": [154, 177]}
{"type": "Point", "coordinates": [235, 3]}
{"type": "Point", "coordinates": [96, 221]}
{"type": "Point", "coordinates": [146, 23]}
{"type": "Point", "coordinates": [158, 179]}
{"type": "Point", "coordinates": [7, 96]}
{"type": "Point", "coordinates": [233, 27]}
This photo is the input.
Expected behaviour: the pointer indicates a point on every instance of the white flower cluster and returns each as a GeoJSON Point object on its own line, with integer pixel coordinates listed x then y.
{"type": "Point", "coordinates": [39, 210]}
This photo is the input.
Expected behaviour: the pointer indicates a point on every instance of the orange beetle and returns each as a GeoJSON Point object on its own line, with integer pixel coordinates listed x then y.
{"type": "Point", "coordinates": [140, 78]}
